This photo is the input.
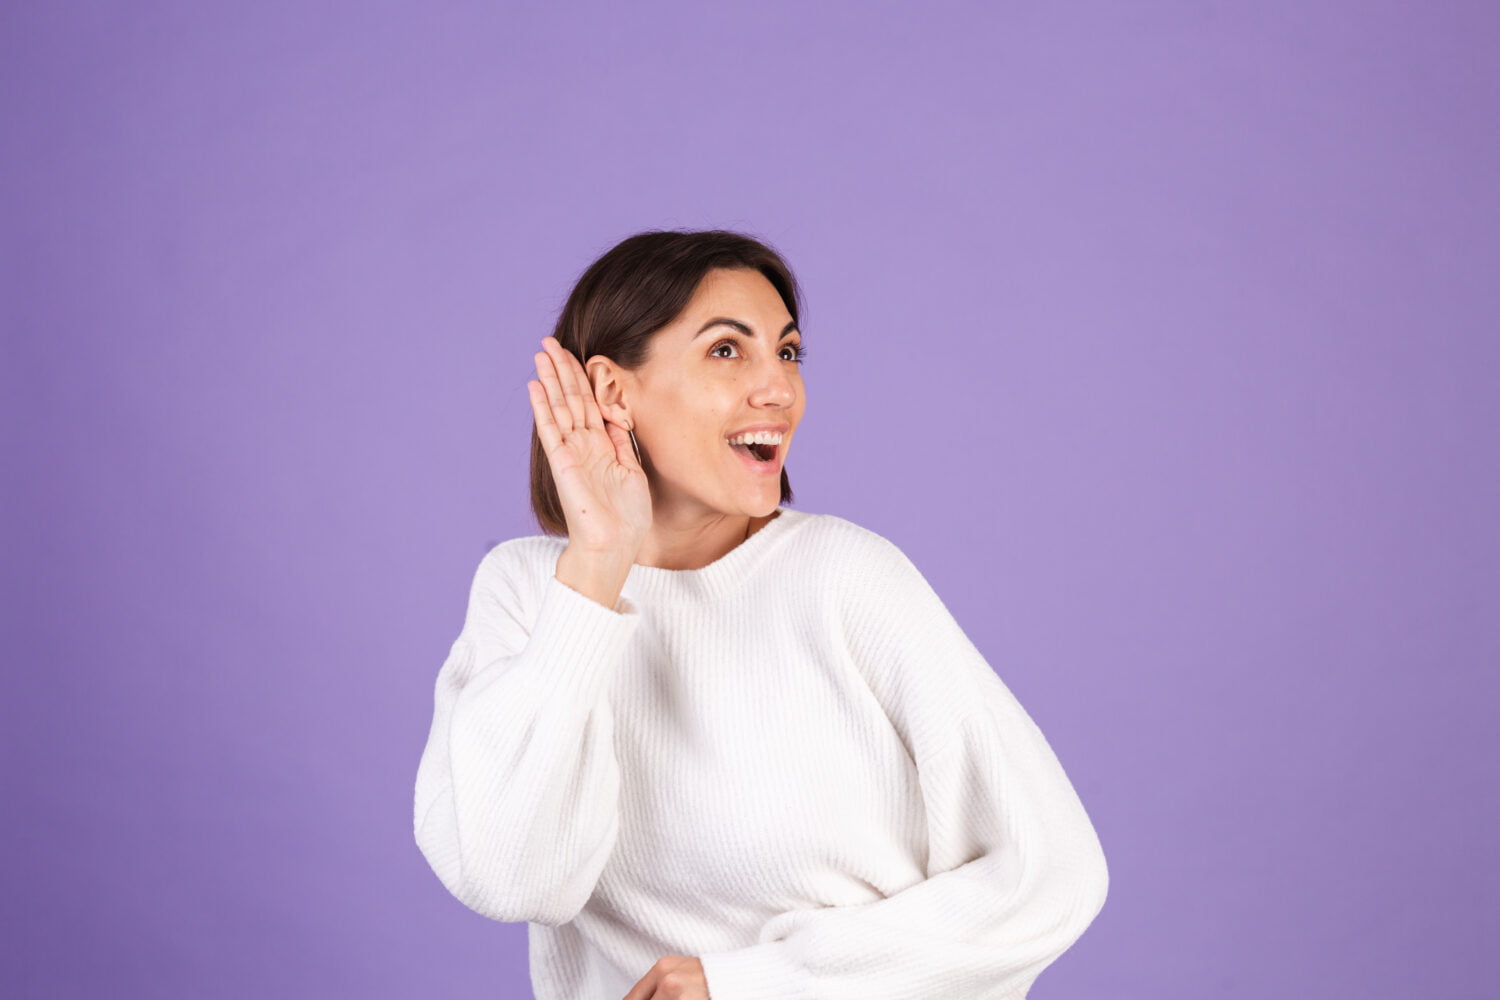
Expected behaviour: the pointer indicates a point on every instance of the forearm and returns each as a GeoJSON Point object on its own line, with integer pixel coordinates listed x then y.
{"type": "Point", "coordinates": [599, 576]}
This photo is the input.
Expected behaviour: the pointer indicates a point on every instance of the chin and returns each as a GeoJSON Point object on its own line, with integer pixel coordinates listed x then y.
{"type": "Point", "coordinates": [761, 508]}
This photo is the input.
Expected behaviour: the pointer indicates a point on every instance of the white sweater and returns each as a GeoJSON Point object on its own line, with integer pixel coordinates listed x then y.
{"type": "Point", "coordinates": [791, 763]}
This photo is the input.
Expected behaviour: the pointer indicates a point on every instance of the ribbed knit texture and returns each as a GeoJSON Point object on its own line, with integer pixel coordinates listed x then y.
{"type": "Point", "coordinates": [791, 763]}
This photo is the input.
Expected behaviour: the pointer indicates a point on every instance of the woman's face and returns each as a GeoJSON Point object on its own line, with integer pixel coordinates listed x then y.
{"type": "Point", "coordinates": [728, 364]}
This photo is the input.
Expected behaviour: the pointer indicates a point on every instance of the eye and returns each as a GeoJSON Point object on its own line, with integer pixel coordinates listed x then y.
{"type": "Point", "coordinates": [798, 351]}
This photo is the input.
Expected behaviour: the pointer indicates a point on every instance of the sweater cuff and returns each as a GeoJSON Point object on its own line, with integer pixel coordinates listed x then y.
{"type": "Point", "coordinates": [759, 972]}
{"type": "Point", "coordinates": [582, 639]}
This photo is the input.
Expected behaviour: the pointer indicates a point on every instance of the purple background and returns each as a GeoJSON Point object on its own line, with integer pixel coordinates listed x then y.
{"type": "Point", "coordinates": [1160, 335]}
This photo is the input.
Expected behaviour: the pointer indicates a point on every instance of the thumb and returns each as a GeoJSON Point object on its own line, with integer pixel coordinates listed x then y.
{"type": "Point", "coordinates": [624, 452]}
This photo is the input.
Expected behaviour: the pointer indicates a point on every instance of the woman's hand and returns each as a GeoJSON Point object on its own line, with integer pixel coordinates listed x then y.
{"type": "Point", "coordinates": [603, 489]}
{"type": "Point", "coordinates": [672, 978]}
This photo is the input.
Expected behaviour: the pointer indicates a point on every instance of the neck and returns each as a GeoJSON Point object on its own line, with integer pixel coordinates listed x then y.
{"type": "Point", "coordinates": [694, 543]}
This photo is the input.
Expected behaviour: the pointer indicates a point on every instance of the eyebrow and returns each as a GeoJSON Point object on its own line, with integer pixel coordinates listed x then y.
{"type": "Point", "coordinates": [740, 326]}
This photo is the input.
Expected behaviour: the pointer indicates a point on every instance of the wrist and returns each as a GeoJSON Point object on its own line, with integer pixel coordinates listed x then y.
{"type": "Point", "coordinates": [599, 576]}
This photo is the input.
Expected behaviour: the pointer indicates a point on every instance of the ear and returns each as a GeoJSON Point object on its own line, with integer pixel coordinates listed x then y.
{"type": "Point", "coordinates": [607, 380]}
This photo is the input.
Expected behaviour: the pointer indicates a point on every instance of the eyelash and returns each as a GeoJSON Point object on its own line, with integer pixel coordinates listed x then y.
{"type": "Point", "coordinates": [801, 351]}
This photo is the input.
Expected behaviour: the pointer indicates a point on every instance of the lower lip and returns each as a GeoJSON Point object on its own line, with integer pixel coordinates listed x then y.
{"type": "Point", "coordinates": [763, 468]}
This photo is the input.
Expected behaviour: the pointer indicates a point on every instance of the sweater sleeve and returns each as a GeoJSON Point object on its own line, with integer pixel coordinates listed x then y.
{"type": "Point", "coordinates": [1015, 870]}
{"type": "Point", "coordinates": [517, 788]}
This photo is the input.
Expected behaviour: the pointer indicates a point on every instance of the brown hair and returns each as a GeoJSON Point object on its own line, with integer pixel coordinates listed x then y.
{"type": "Point", "coordinates": [639, 286]}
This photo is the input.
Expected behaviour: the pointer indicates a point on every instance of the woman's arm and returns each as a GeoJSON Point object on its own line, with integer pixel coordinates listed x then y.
{"type": "Point", "coordinates": [1016, 872]}
{"type": "Point", "coordinates": [516, 791]}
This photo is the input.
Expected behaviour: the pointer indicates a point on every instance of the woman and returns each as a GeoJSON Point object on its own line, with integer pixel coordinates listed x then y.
{"type": "Point", "coordinates": [708, 745]}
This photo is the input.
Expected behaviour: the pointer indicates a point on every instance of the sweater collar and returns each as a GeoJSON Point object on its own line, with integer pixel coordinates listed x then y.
{"type": "Point", "coordinates": [719, 578]}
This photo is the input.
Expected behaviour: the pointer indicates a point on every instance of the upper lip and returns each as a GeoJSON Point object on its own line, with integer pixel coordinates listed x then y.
{"type": "Point", "coordinates": [755, 428]}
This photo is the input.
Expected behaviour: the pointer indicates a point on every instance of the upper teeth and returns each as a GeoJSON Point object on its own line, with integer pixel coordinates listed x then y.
{"type": "Point", "coordinates": [757, 437]}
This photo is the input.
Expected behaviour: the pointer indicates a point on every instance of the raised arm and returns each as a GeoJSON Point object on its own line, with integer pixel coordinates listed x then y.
{"type": "Point", "coordinates": [516, 792]}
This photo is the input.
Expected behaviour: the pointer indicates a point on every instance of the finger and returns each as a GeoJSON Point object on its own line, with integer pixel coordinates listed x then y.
{"type": "Point", "coordinates": [568, 371]}
{"type": "Point", "coordinates": [546, 373]}
{"type": "Point", "coordinates": [591, 413]}
{"type": "Point", "coordinates": [546, 427]}
{"type": "Point", "coordinates": [574, 373]}
{"type": "Point", "coordinates": [624, 450]}
{"type": "Point", "coordinates": [645, 988]}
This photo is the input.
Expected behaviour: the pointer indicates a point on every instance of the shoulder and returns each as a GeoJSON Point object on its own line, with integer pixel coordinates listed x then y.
{"type": "Point", "coordinates": [522, 551]}
{"type": "Point", "coordinates": [517, 567]}
{"type": "Point", "coordinates": [856, 553]}
{"type": "Point", "coordinates": [858, 540]}
{"type": "Point", "coordinates": [891, 618]}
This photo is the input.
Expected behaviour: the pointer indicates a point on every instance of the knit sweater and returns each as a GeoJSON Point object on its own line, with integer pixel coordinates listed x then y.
{"type": "Point", "coordinates": [790, 763]}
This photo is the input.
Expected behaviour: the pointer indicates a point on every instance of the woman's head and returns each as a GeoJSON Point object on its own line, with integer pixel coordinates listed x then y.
{"type": "Point", "coordinates": [638, 320]}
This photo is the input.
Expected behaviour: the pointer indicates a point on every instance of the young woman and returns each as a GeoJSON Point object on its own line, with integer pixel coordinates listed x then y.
{"type": "Point", "coordinates": [708, 745]}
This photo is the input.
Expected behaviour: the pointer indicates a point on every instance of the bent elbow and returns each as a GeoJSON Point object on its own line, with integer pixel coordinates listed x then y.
{"type": "Point", "coordinates": [503, 904]}
{"type": "Point", "coordinates": [504, 899]}
{"type": "Point", "coordinates": [1090, 878]}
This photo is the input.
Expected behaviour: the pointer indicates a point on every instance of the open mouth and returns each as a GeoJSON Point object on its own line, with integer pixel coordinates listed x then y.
{"type": "Point", "coordinates": [762, 453]}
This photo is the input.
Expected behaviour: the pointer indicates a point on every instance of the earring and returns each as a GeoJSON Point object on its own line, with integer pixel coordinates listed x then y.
{"type": "Point", "coordinates": [631, 432]}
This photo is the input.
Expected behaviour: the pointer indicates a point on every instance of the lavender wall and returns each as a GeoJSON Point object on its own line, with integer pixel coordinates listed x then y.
{"type": "Point", "coordinates": [1161, 336]}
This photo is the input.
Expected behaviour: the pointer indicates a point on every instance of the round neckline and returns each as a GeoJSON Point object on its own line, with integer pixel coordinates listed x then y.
{"type": "Point", "coordinates": [717, 576]}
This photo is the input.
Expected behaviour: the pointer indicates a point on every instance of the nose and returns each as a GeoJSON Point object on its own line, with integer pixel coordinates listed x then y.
{"type": "Point", "coordinates": [773, 384]}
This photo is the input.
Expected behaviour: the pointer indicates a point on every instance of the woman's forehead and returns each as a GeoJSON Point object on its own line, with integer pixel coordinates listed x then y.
{"type": "Point", "coordinates": [745, 299]}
